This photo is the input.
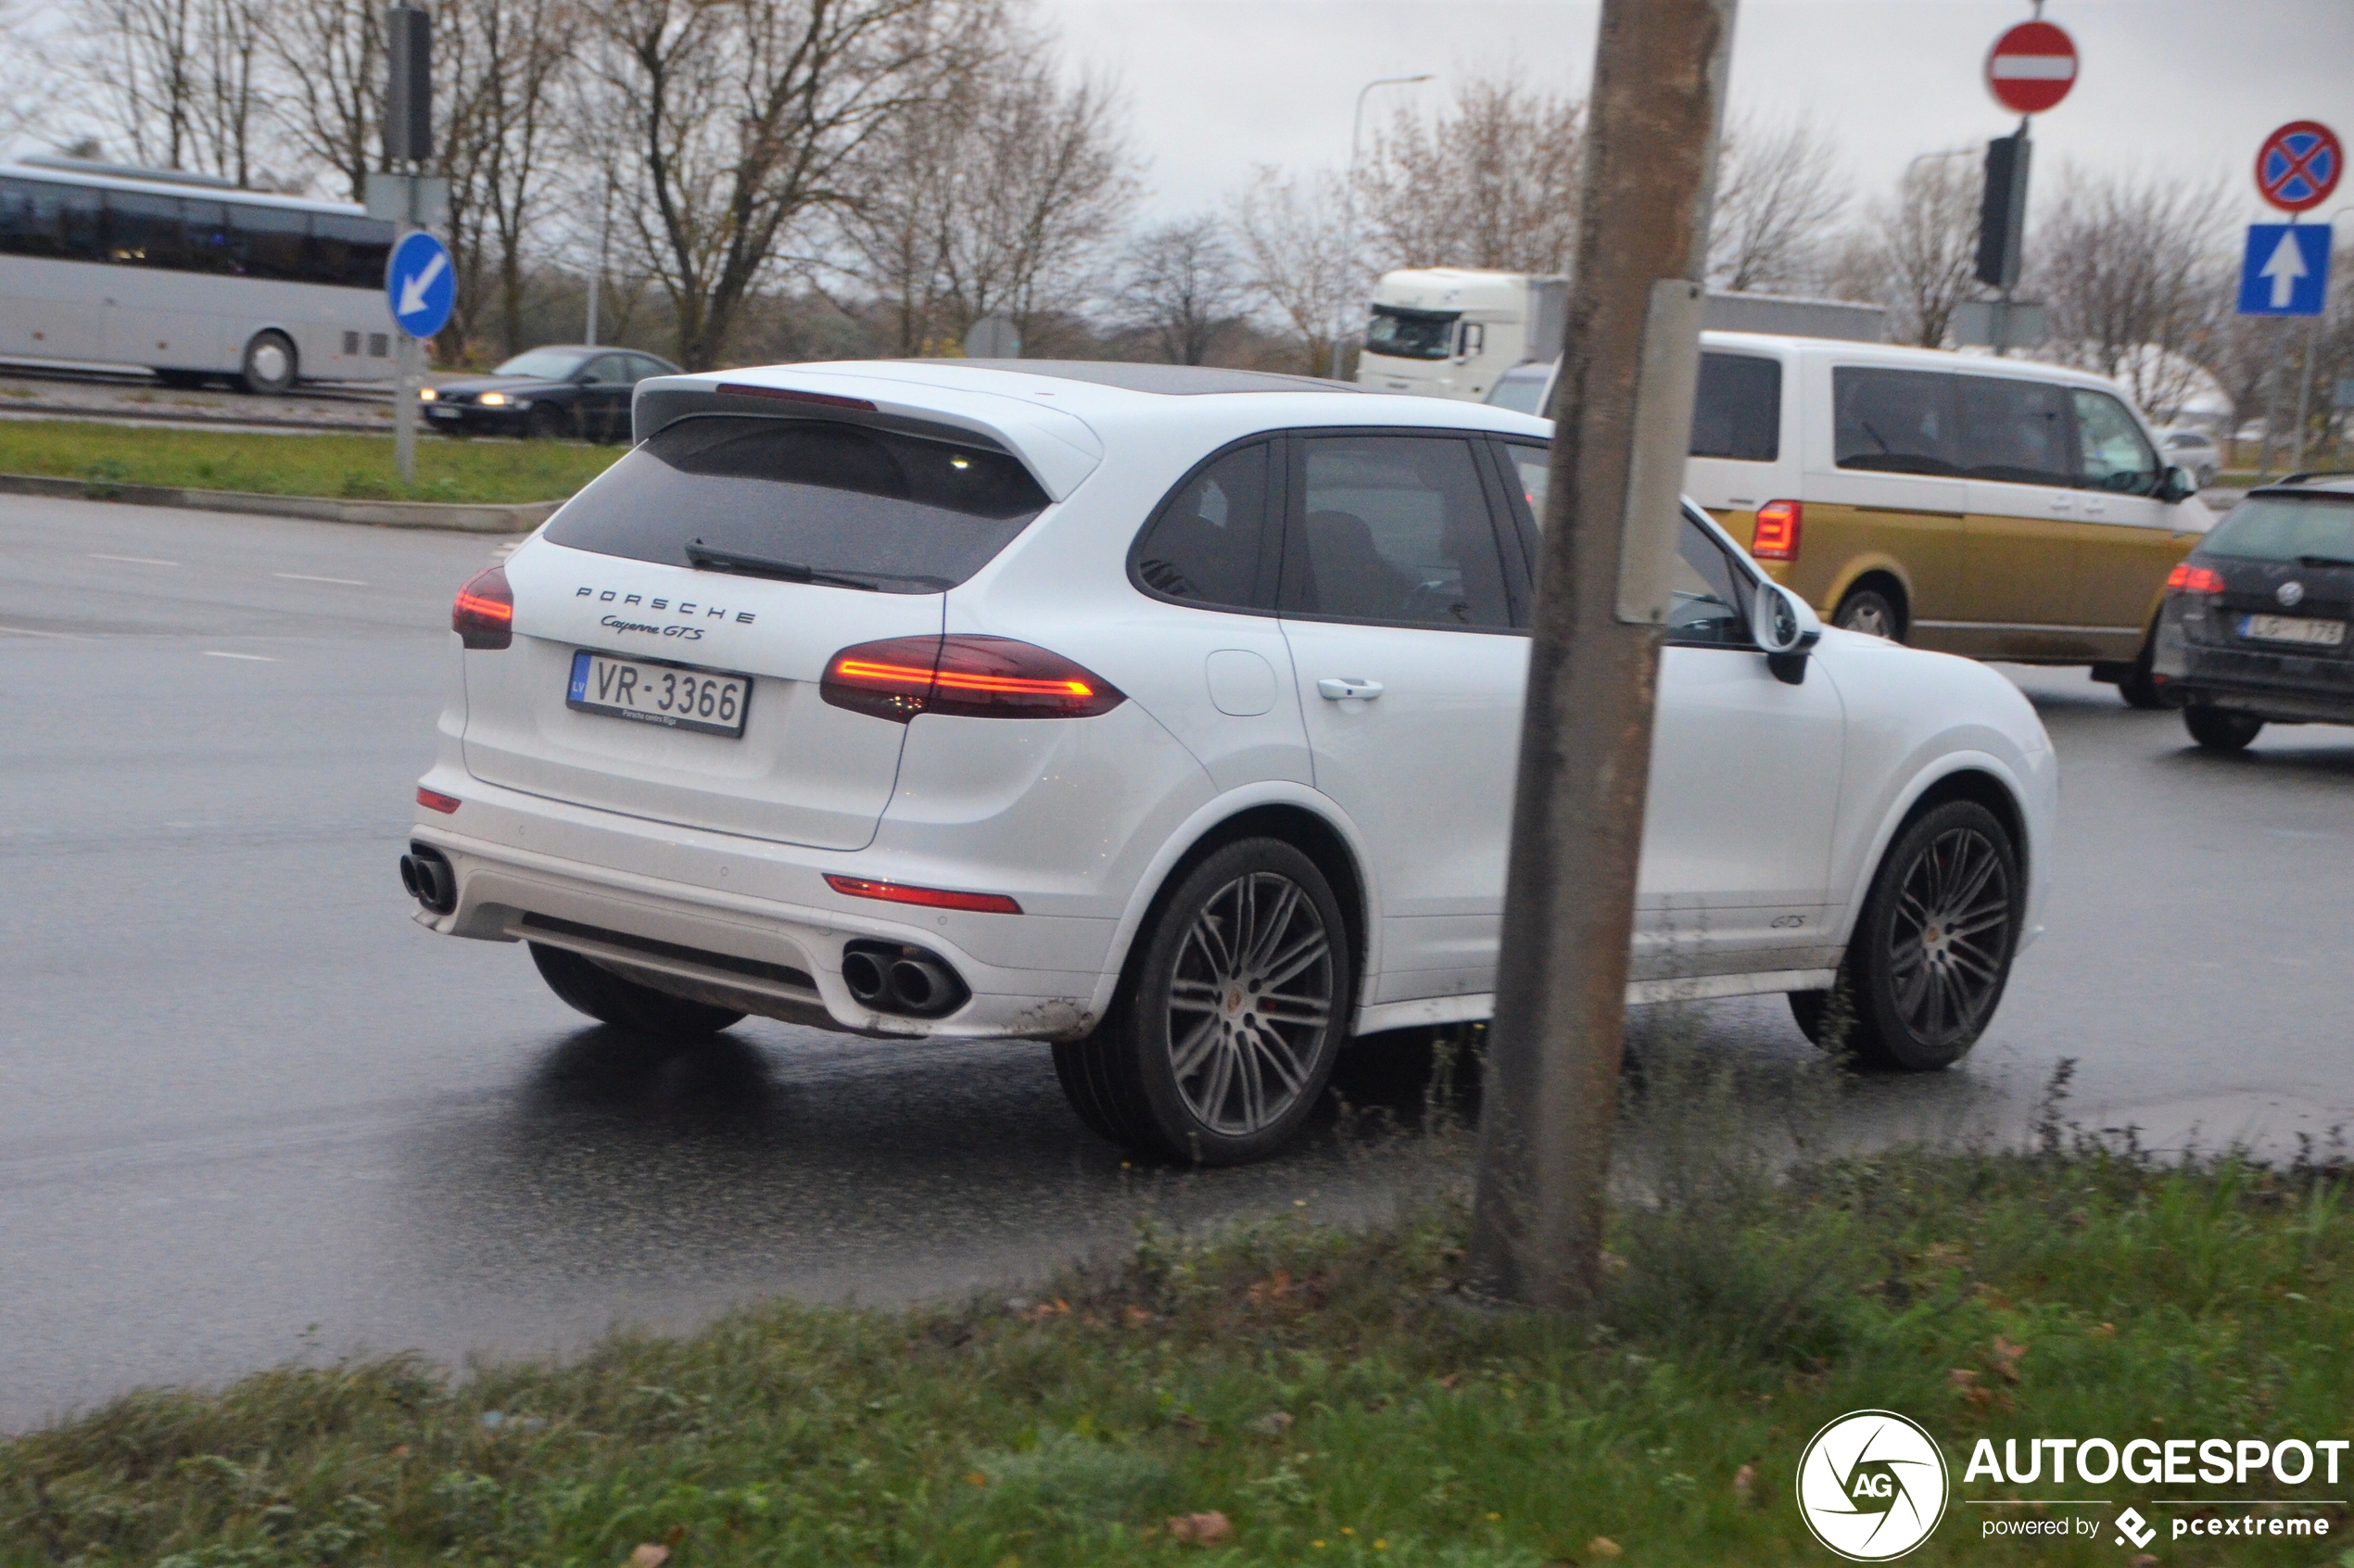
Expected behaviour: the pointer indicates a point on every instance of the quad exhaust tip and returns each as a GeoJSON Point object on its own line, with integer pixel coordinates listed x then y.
{"type": "Point", "coordinates": [893, 977]}
{"type": "Point", "coordinates": [429, 879]}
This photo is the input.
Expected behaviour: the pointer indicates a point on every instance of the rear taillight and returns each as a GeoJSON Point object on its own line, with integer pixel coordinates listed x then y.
{"type": "Point", "coordinates": [485, 614]}
{"type": "Point", "coordinates": [964, 676]}
{"type": "Point", "coordinates": [1777, 535]}
{"type": "Point", "coordinates": [2195, 579]}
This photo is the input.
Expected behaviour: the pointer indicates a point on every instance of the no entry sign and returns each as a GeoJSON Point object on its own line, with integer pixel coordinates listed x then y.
{"type": "Point", "coordinates": [2032, 67]}
{"type": "Point", "coordinates": [2299, 165]}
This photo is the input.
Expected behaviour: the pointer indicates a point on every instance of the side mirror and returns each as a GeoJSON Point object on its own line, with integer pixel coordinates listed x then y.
{"type": "Point", "coordinates": [1786, 628]}
{"type": "Point", "coordinates": [2176, 485]}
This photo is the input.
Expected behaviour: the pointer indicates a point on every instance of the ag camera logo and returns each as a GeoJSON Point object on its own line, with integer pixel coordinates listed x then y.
{"type": "Point", "coordinates": [1872, 1485]}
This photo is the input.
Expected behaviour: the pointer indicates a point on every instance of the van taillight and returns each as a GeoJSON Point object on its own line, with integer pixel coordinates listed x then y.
{"type": "Point", "coordinates": [1777, 535]}
{"type": "Point", "coordinates": [2195, 579]}
{"type": "Point", "coordinates": [963, 675]}
{"type": "Point", "coordinates": [485, 614]}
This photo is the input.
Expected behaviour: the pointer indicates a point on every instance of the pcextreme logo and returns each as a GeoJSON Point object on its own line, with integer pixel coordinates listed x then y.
{"type": "Point", "coordinates": [1872, 1485]}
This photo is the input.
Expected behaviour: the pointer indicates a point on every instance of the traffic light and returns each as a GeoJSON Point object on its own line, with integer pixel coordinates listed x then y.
{"type": "Point", "coordinates": [409, 87]}
{"type": "Point", "coordinates": [2002, 213]}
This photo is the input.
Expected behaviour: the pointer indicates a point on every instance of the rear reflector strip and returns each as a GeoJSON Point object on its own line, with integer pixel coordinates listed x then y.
{"type": "Point", "coordinates": [434, 799]}
{"type": "Point", "coordinates": [793, 395]}
{"type": "Point", "coordinates": [930, 898]}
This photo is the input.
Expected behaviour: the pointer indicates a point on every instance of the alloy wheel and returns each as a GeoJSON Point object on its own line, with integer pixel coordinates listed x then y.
{"type": "Point", "coordinates": [1250, 1003]}
{"type": "Point", "coordinates": [1951, 936]}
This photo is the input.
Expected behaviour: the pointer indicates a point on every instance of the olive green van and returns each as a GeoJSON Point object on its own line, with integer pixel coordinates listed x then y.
{"type": "Point", "coordinates": [1996, 508]}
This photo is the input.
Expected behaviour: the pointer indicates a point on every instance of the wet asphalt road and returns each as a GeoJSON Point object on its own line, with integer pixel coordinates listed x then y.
{"type": "Point", "coordinates": [249, 1112]}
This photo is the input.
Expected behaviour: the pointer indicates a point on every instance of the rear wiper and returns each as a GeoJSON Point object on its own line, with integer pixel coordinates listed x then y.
{"type": "Point", "coordinates": [2324, 561]}
{"type": "Point", "coordinates": [711, 558]}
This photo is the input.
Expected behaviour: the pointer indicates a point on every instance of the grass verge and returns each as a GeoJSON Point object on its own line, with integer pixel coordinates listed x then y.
{"type": "Point", "coordinates": [1325, 1392]}
{"type": "Point", "coordinates": [346, 467]}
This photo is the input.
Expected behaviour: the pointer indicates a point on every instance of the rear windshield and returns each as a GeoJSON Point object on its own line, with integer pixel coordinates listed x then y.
{"type": "Point", "coordinates": [1737, 410]}
{"type": "Point", "coordinates": [2286, 528]}
{"type": "Point", "coordinates": [906, 515]}
{"type": "Point", "coordinates": [1520, 390]}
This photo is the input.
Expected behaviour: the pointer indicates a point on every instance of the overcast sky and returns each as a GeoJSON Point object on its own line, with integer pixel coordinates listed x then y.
{"type": "Point", "coordinates": [1219, 85]}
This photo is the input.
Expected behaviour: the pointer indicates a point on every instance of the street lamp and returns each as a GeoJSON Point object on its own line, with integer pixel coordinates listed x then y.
{"type": "Point", "coordinates": [1348, 214]}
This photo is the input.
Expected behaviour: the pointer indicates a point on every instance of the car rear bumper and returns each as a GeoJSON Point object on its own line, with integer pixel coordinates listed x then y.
{"type": "Point", "coordinates": [747, 923]}
{"type": "Point", "coordinates": [2285, 686]}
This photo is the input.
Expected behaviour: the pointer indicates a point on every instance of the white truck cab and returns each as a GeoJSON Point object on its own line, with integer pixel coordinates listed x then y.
{"type": "Point", "coordinates": [1450, 332]}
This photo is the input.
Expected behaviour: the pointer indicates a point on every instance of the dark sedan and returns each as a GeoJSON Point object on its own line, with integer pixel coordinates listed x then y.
{"type": "Point", "coordinates": [554, 393]}
{"type": "Point", "coordinates": [2255, 629]}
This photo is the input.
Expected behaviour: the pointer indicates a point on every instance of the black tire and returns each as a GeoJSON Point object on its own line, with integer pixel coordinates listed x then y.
{"type": "Point", "coordinates": [2219, 729]}
{"type": "Point", "coordinates": [1193, 1065]}
{"type": "Point", "coordinates": [2140, 688]}
{"type": "Point", "coordinates": [1871, 611]}
{"type": "Point", "coordinates": [271, 363]}
{"type": "Point", "coordinates": [548, 422]}
{"type": "Point", "coordinates": [1933, 944]}
{"type": "Point", "coordinates": [625, 1004]}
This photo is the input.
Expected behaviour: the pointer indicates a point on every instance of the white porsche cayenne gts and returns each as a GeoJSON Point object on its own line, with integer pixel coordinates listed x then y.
{"type": "Point", "coordinates": [1168, 715]}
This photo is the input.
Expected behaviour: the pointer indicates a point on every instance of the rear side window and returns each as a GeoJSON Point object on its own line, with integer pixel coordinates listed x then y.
{"type": "Point", "coordinates": [2015, 430]}
{"type": "Point", "coordinates": [1737, 412]}
{"type": "Point", "coordinates": [2113, 451]}
{"type": "Point", "coordinates": [1895, 421]}
{"type": "Point", "coordinates": [145, 230]}
{"type": "Point", "coordinates": [1205, 544]}
{"type": "Point", "coordinates": [906, 515]}
{"type": "Point", "coordinates": [2314, 530]}
{"type": "Point", "coordinates": [1394, 530]}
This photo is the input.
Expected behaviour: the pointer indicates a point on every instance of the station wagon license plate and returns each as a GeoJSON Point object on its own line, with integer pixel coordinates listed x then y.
{"type": "Point", "coordinates": [670, 695]}
{"type": "Point", "coordinates": [2305, 629]}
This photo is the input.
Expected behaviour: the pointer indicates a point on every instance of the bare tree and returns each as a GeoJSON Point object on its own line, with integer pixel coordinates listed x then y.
{"type": "Point", "coordinates": [182, 79]}
{"type": "Point", "coordinates": [995, 196]}
{"type": "Point", "coordinates": [1183, 286]}
{"type": "Point", "coordinates": [499, 64]}
{"type": "Point", "coordinates": [2135, 273]}
{"type": "Point", "coordinates": [1293, 238]}
{"type": "Point", "coordinates": [1492, 183]}
{"type": "Point", "coordinates": [1779, 194]}
{"type": "Point", "coordinates": [330, 64]}
{"type": "Point", "coordinates": [29, 85]}
{"type": "Point", "coordinates": [1926, 240]}
{"type": "Point", "coordinates": [747, 116]}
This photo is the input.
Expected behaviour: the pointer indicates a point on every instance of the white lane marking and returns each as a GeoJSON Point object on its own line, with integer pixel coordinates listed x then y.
{"type": "Point", "coordinates": [257, 658]}
{"type": "Point", "coordinates": [134, 560]}
{"type": "Point", "coordinates": [61, 637]}
{"type": "Point", "coordinates": [307, 577]}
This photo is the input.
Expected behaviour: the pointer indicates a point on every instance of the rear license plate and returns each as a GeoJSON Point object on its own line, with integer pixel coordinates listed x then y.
{"type": "Point", "coordinates": [2312, 633]}
{"type": "Point", "coordinates": [670, 695]}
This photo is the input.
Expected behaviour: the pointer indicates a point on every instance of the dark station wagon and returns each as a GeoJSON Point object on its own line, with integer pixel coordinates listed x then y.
{"type": "Point", "coordinates": [2254, 628]}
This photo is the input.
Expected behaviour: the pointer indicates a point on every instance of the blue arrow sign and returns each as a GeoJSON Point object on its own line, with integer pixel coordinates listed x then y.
{"type": "Point", "coordinates": [419, 285]}
{"type": "Point", "coordinates": [2287, 271]}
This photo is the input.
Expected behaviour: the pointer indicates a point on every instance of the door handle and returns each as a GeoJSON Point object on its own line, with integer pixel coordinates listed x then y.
{"type": "Point", "coordinates": [1333, 690]}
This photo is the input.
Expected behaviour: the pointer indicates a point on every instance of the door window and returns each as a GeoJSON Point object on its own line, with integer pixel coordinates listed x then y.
{"type": "Point", "coordinates": [1394, 530]}
{"type": "Point", "coordinates": [1895, 421]}
{"type": "Point", "coordinates": [1736, 412]}
{"type": "Point", "coordinates": [1204, 547]}
{"type": "Point", "coordinates": [1708, 603]}
{"type": "Point", "coordinates": [609, 370]}
{"type": "Point", "coordinates": [2114, 453]}
{"type": "Point", "coordinates": [2015, 430]}
{"type": "Point", "coordinates": [641, 367]}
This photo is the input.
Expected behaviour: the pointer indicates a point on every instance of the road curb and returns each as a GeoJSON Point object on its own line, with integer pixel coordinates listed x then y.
{"type": "Point", "coordinates": [458, 517]}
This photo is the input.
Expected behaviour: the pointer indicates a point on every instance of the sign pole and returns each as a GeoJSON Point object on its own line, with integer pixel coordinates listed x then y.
{"type": "Point", "coordinates": [2305, 390]}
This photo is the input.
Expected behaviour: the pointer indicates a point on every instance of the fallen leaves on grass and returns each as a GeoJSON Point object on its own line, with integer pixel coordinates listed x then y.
{"type": "Point", "coordinates": [1601, 1549]}
{"type": "Point", "coordinates": [2006, 1357]}
{"type": "Point", "coordinates": [1201, 1529]}
{"type": "Point", "coordinates": [649, 1555]}
{"type": "Point", "coordinates": [1744, 1484]}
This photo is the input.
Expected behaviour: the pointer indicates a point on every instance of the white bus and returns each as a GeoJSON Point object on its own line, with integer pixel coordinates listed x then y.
{"type": "Point", "coordinates": [189, 277]}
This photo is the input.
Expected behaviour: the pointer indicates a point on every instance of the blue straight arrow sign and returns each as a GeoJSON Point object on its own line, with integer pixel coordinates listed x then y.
{"type": "Point", "coordinates": [2286, 269]}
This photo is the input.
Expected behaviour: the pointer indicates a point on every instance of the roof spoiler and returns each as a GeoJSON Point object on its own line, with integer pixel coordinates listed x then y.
{"type": "Point", "coordinates": [1057, 449]}
{"type": "Point", "coordinates": [2307, 475]}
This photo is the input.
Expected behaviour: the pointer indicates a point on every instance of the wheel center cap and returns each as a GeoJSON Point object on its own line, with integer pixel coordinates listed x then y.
{"type": "Point", "coordinates": [1235, 999]}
